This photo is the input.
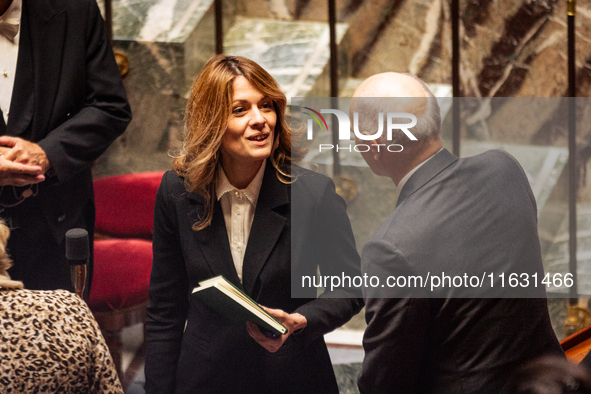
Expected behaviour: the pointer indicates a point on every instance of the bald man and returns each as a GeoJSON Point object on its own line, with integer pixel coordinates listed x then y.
{"type": "Point", "coordinates": [453, 216]}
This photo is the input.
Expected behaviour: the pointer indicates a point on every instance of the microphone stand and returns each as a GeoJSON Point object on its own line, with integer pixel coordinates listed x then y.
{"type": "Point", "coordinates": [78, 254]}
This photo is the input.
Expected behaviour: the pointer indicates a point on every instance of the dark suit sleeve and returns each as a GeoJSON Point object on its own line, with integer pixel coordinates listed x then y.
{"type": "Point", "coordinates": [396, 327]}
{"type": "Point", "coordinates": [169, 296]}
{"type": "Point", "coordinates": [85, 135]}
{"type": "Point", "coordinates": [334, 252]}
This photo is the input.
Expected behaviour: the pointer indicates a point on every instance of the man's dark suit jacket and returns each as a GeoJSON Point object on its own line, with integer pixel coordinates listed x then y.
{"type": "Point", "coordinates": [68, 98]}
{"type": "Point", "coordinates": [303, 223]}
{"type": "Point", "coordinates": [471, 216]}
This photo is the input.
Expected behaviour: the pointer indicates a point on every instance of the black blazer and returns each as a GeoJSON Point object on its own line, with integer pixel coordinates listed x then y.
{"type": "Point", "coordinates": [304, 224]}
{"type": "Point", "coordinates": [67, 97]}
{"type": "Point", "coordinates": [459, 216]}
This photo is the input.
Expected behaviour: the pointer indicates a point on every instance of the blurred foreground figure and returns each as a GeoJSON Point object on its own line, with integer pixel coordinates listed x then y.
{"type": "Point", "coordinates": [49, 341]}
{"type": "Point", "coordinates": [471, 216]}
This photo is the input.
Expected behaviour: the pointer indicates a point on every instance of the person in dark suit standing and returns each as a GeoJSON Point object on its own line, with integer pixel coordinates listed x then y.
{"type": "Point", "coordinates": [62, 103]}
{"type": "Point", "coordinates": [235, 206]}
{"type": "Point", "coordinates": [454, 217]}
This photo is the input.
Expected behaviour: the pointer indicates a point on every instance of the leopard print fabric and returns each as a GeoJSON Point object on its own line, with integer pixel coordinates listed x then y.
{"type": "Point", "coordinates": [50, 343]}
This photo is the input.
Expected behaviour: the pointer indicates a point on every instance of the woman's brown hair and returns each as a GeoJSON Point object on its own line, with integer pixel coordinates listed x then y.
{"type": "Point", "coordinates": [206, 119]}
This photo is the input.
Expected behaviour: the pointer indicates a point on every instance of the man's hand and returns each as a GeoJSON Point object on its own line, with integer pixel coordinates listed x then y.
{"type": "Point", "coordinates": [291, 321]}
{"type": "Point", "coordinates": [22, 162]}
{"type": "Point", "coordinates": [17, 174]}
{"type": "Point", "coordinates": [25, 152]}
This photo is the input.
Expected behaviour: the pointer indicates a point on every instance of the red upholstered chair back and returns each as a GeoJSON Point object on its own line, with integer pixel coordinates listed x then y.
{"type": "Point", "coordinates": [125, 204]}
{"type": "Point", "coordinates": [122, 263]}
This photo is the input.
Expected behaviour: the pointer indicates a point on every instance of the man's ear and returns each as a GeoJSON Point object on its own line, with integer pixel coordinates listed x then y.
{"type": "Point", "coordinates": [375, 148]}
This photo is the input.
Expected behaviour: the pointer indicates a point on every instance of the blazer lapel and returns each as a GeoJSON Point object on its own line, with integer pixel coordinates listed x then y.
{"type": "Point", "coordinates": [46, 22]}
{"type": "Point", "coordinates": [266, 227]}
{"type": "Point", "coordinates": [214, 243]}
{"type": "Point", "coordinates": [428, 171]}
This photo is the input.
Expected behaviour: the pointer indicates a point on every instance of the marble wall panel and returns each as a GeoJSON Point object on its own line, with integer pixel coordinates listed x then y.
{"type": "Point", "coordinates": [403, 44]}
{"type": "Point", "coordinates": [273, 9]}
{"type": "Point", "coordinates": [369, 20]}
{"type": "Point", "coordinates": [199, 45]}
{"type": "Point", "coordinates": [368, 17]}
{"type": "Point", "coordinates": [157, 20]}
{"type": "Point", "coordinates": [155, 89]}
{"type": "Point", "coordinates": [545, 56]}
{"type": "Point", "coordinates": [290, 10]}
{"type": "Point", "coordinates": [482, 28]}
{"type": "Point", "coordinates": [167, 42]}
{"type": "Point", "coordinates": [296, 54]}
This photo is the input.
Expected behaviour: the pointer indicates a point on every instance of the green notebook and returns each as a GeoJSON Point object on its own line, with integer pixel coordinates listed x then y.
{"type": "Point", "coordinates": [222, 296]}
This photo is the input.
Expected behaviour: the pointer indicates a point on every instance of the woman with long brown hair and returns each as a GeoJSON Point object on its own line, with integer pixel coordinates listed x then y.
{"type": "Point", "coordinates": [236, 206]}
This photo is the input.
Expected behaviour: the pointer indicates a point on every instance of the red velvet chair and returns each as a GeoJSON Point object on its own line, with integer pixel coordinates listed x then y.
{"type": "Point", "coordinates": [122, 254]}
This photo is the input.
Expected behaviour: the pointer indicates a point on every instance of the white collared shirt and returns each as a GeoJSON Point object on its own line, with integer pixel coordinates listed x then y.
{"type": "Point", "coordinates": [407, 176]}
{"type": "Point", "coordinates": [238, 207]}
{"type": "Point", "coordinates": [8, 58]}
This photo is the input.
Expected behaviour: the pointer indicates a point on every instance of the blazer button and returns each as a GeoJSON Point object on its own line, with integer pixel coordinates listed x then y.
{"type": "Point", "coordinates": [61, 218]}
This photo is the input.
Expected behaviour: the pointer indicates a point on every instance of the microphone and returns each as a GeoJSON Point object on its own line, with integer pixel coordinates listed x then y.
{"type": "Point", "coordinates": [78, 254]}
